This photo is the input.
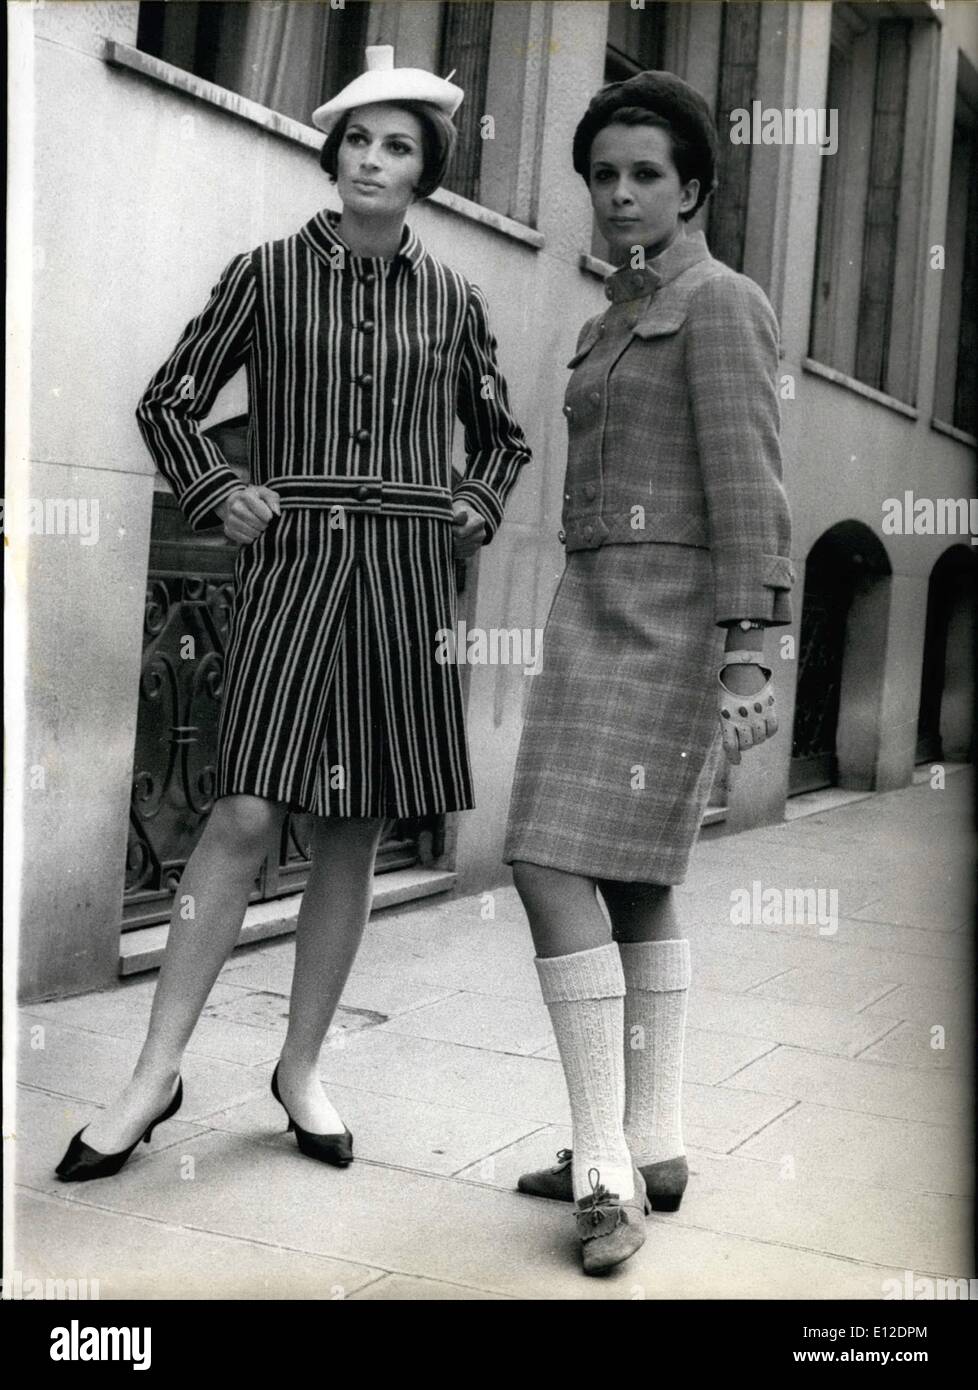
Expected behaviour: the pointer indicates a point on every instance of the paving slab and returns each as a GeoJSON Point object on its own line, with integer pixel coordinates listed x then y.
{"type": "Point", "coordinates": [904, 1154]}
{"type": "Point", "coordinates": [912, 1044]}
{"type": "Point", "coordinates": [951, 1008]}
{"type": "Point", "coordinates": [769, 1200]}
{"type": "Point", "coordinates": [834, 1031]}
{"type": "Point", "coordinates": [93, 1067]}
{"type": "Point", "coordinates": [134, 1257]}
{"type": "Point", "coordinates": [856, 1085]}
{"type": "Point", "coordinates": [405, 1133]}
{"type": "Point", "coordinates": [461, 1232]}
{"type": "Point", "coordinates": [832, 989]}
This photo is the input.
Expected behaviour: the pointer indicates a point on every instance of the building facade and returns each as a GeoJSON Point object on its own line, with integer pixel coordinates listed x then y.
{"type": "Point", "coordinates": [152, 141]}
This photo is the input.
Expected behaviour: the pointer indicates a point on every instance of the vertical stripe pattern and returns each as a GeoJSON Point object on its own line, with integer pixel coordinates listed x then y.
{"type": "Point", "coordinates": [357, 367]}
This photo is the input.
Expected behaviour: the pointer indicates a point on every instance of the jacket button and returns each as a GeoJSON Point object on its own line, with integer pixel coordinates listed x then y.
{"type": "Point", "coordinates": [369, 278]}
{"type": "Point", "coordinates": [562, 536]}
{"type": "Point", "coordinates": [568, 410]}
{"type": "Point", "coordinates": [365, 379]}
{"type": "Point", "coordinates": [567, 497]}
{"type": "Point", "coordinates": [596, 397]}
{"type": "Point", "coordinates": [600, 328]}
{"type": "Point", "coordinates": [607, 291]}
{"type": "Point", "coordinates": [367, 326]}
{"type": "Point", "coordinates": [363, 492]}
{"type": "Point", "coordinates": [588, 532]}
{"type": "Point", "coordinates": [363, 436]}
{"type": "Point", "coordinates": [590, 492]}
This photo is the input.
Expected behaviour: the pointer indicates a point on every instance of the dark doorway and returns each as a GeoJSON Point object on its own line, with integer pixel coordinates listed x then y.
{"type": "Point", "coordinates": [943, 728]}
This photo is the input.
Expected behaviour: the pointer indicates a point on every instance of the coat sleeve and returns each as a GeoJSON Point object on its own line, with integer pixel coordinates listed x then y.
{"type": "Point", "coordinates": [495, 447]}
{"type": "Point", "coordinates": [732, 366]}
{"type": "Point", "coordinates": [182, 391]}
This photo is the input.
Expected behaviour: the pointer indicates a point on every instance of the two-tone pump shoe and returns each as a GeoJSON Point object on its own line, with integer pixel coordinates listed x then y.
{"type": "Point", "coordinates": [82, 1163]}
{"type": "Point", "coordinates": [665, 1182]}
{"type": "Point", "coordinates": [610, 1228]}
{"type": "Point", "coordinates": [336, 1149]}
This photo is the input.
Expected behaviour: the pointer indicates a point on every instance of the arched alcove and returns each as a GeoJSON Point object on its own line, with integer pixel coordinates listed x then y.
{"type": "Point", "coordinates": [945, 726]}
{"type": "Point", "coordinates": [846, 593]}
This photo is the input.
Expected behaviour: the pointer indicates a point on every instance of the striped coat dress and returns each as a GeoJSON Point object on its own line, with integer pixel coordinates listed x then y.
{"type": "Point", "coordinates": [334, 700]}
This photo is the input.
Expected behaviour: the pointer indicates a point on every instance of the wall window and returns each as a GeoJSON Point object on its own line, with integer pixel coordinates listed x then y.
{"type": "Point", "coordinates": [714, 47]}
{"type": "Point", "coordinates": [288, 57]}
{"type": "Point", "coordinates": [869, 238]}
{"type": "Point", "coordinates": [956, 389]}
{"type": "Point", "coordinates": [292, 56]}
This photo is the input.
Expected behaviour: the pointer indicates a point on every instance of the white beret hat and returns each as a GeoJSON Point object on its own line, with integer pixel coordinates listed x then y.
{"type": "Point", "coordinates": [384, 82]}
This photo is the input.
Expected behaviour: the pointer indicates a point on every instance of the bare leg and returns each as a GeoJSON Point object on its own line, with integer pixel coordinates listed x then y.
{"type": "Point", "coordinates": [334, 911]}
{"type": "Point", "coordinates": [562, 908]}
{"type": "Point", "coordinates": [640, 911]}
{"type": "Point", "coordinates": [215, 886]}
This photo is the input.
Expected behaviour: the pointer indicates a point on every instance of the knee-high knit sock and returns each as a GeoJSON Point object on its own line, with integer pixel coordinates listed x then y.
{"type": "Point", "coordinates": [657, 975]}
{"type": "Point", "coordinates": [584, 993]}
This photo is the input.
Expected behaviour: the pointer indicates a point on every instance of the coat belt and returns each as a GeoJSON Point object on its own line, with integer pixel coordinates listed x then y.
{"type": "Point", "coordinates": [363, 494]}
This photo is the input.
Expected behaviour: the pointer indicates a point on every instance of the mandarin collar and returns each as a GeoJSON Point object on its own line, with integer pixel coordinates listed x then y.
{"type": "Point", "coordinates": [626, 283]}
{"type": "Point", "coordinates": [322, 235]}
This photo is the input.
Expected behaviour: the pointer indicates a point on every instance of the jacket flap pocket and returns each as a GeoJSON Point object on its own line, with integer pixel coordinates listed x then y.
{"type": "Point", "coordinates": [661, 324]}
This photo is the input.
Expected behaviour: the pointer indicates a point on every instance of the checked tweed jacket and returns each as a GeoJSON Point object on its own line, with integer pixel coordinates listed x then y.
{"type": "Point", "coordinates": [675, 521]}
{"type": "Point", "coordinates": [674, 436]}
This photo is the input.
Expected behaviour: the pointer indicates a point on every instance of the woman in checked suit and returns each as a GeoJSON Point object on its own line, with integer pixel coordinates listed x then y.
{"type": "Point", "coordinates": [677, 534]}
{"type": "Point", "coordinates": [360, 348]}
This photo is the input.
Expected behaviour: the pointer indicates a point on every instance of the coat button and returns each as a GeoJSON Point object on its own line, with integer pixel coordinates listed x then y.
{"type": "Point", "coordinates": [365, 378]}
{"type": "Point", "coordinates": [567, 497]}
{"type": "Point", "coordinates": [600, 328]}
{"type": "Point", "coordinates": [596, 397]}
{"type": "Point", "coordinates": [363, 492]}
{"type": "Point", "coordinates": [363, 436]}
{"type": "Point", "coordinates": [369, 278]}
{"type": "Point", "coordinates": [562, 536]}
{"type": "Point", "coordinates": [590, 492]}
{"type": "Point", "coordinates": [588, 532]}
{"type": "Point", "coordinates": [367, 326]}
{"type": "Point", "coordinates": [568, 410]}
{"type": "Point", "coordinates": [607, 291]}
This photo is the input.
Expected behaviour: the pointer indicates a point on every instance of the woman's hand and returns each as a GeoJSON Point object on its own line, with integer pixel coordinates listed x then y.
{"type": "Point", "coordinates": [246, 513]}
{"type": "Point", "coordinates": [469, 531]}
{"type": "Point", "coordinates": [748, 710]}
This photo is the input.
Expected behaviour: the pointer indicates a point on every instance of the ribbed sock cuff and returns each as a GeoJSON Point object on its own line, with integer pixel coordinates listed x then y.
{"type": "Point", "coordinates": [657, 966]}
{"type": "Point", "coordinates": [594, 974]}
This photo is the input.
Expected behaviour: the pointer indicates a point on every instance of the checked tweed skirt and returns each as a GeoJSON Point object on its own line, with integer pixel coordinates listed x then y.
{"type": "Point", "coordinates": [621, 740]}
{"type": "Point", "coordinates": [333, 701]}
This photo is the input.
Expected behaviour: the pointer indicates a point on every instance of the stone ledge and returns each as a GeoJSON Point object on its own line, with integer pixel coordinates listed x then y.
{"type": "Point", "coordinates": [143, 949]}
{"type": "Point", "coordinates": [124, 55]}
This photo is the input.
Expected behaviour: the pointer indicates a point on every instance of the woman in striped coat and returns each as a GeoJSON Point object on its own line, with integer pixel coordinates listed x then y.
{"type": "Point", "coordinates": [359, 348]}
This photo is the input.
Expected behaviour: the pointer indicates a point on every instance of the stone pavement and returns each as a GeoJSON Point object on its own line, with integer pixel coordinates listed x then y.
{"type": "Point", "coordinates": [829, 1137]}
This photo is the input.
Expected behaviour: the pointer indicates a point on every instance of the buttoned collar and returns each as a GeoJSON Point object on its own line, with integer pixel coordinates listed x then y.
{"type": "Point", "coordinates": [627, 284]}
{"type": "Point", "coordinates": [322, 235]}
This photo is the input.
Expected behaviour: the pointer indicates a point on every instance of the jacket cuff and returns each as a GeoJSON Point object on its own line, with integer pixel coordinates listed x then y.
{"type": "Point", "coordinates": [199, 501]}
{"type": "Point", "coordinates": [485, 502]}
{"type": "Point", "coordinates": [744, 590]}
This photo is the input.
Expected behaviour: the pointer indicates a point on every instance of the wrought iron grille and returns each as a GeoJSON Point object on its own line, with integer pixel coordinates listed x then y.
{"type": "Point", "coordinates": [188, 596]}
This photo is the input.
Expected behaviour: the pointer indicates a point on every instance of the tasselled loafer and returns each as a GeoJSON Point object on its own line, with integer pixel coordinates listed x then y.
{"type": "Point", "coordinates": [610, 1228]}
